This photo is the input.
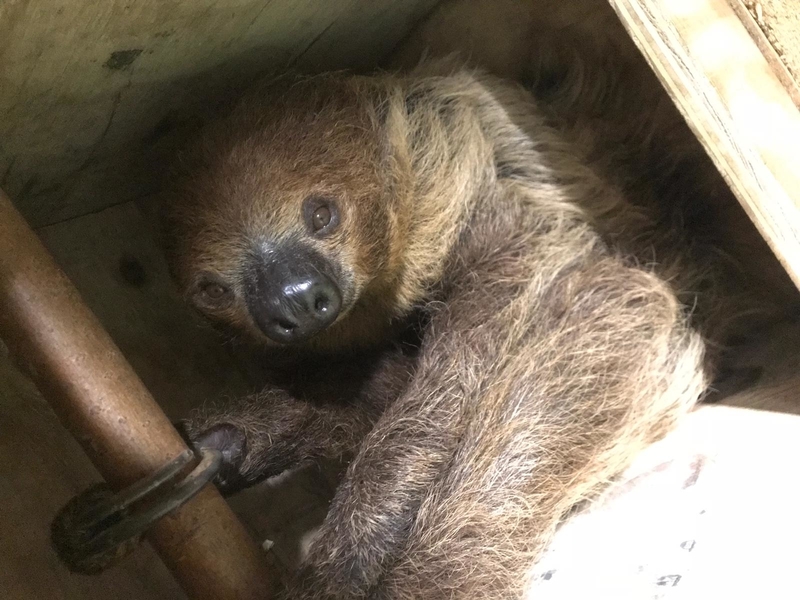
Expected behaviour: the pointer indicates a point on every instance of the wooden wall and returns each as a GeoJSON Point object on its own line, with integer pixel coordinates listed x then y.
{"type": "Point", "coordinates": [86, 87]}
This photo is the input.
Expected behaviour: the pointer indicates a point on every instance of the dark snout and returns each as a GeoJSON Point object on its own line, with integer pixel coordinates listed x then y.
{"type": "Point", "coordinates": [292, 293]}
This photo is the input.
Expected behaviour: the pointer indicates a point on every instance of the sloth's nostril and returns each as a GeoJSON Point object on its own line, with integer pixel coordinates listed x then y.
{"type": "Point", "coordinates": [285, 325]}
{"type": "Point", "coordinates": [321, 304]}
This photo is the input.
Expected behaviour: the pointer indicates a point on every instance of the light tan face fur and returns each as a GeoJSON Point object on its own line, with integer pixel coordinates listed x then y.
{"type": "Point", "coordinates": [252, 182]}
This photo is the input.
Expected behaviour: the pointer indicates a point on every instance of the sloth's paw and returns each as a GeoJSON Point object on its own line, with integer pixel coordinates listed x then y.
{"type": "Point", "coordinates": [231, 442]}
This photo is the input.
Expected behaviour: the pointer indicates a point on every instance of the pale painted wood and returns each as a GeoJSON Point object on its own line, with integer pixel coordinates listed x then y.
{"type": "Point", "coordinates": [735, 104]}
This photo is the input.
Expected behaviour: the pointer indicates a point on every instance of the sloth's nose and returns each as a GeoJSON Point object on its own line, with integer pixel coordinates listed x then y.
{"type": "Point", "coordinates": [304, 306]}
{"type": "Point", "coordinates": [292, 299]}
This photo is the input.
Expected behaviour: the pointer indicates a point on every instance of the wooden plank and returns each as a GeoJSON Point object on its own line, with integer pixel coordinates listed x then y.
{"type": "Point", "coordinates": [735, 104]}
{"type": "Point", "coordinates": [86, 88]}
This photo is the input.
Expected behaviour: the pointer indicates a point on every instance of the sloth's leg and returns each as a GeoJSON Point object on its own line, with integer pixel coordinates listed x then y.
{"type": "Point", "coordinates": [592, 383]}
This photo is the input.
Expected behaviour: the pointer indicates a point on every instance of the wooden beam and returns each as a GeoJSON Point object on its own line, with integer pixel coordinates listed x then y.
{"type": "Point", "coordinates": [735, 104]}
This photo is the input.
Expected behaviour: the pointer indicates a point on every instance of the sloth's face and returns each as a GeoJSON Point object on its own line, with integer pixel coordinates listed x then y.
{"type": "Point", "coordinates": [280, 225]}
{"type": "Point", "coordinates": [285, 283]}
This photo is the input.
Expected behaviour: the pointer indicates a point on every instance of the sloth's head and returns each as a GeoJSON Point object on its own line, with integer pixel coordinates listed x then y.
{"type": "Point", "coordinates": [280, 220]}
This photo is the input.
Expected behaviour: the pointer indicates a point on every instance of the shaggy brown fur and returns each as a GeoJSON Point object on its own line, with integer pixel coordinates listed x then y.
{"type": "Point", "coordinates": [551, 251]}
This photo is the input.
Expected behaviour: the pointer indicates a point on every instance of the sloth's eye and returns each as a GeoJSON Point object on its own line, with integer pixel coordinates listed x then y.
{"type": "Point", "coordinates": [321, 215]}
{"type": "Point", "coordinates": [214, 291]}
{"type": "Point", "coordinates": [321, 218]}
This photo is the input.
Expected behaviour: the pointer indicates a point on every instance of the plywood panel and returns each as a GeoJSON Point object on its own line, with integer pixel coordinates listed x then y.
{"type": "Point", "coordinates": [85, 86]}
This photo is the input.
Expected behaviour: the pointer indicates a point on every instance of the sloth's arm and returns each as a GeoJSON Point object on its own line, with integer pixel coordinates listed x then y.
{"type": "Point", "coordinates": [396, 464]}
{"type": "Point", "coordinates": [264, 434]}
{"type": "Point", "coordinates": [607, 366]}
{"type": "Point", "coordinates": [537, 382]}
{"type": "Point", "coordinates": [465, 345]}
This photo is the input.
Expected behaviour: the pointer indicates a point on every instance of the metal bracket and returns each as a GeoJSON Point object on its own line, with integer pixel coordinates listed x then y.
{"type": "Point", "coordinates": [98, 527]}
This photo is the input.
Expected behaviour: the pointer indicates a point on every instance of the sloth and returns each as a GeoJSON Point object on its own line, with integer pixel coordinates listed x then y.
{"type": "Point", "coordinates": [490, 295]}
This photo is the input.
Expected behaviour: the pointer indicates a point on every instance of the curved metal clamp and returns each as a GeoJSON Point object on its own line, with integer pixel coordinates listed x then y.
{"type": "Point", "coordinates": [98, 527]}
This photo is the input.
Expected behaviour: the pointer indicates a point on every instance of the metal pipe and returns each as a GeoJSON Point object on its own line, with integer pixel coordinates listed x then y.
{"type": "Point", "coordinates": [104, 404]}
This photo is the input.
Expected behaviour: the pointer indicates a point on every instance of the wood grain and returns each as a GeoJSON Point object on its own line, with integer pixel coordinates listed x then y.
{"type": "Point", "coordinates": [735, 104]}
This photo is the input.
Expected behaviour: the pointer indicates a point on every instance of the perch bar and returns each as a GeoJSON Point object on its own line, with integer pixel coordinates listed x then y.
{"type": "Point", "coordinates": [103, 403]}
